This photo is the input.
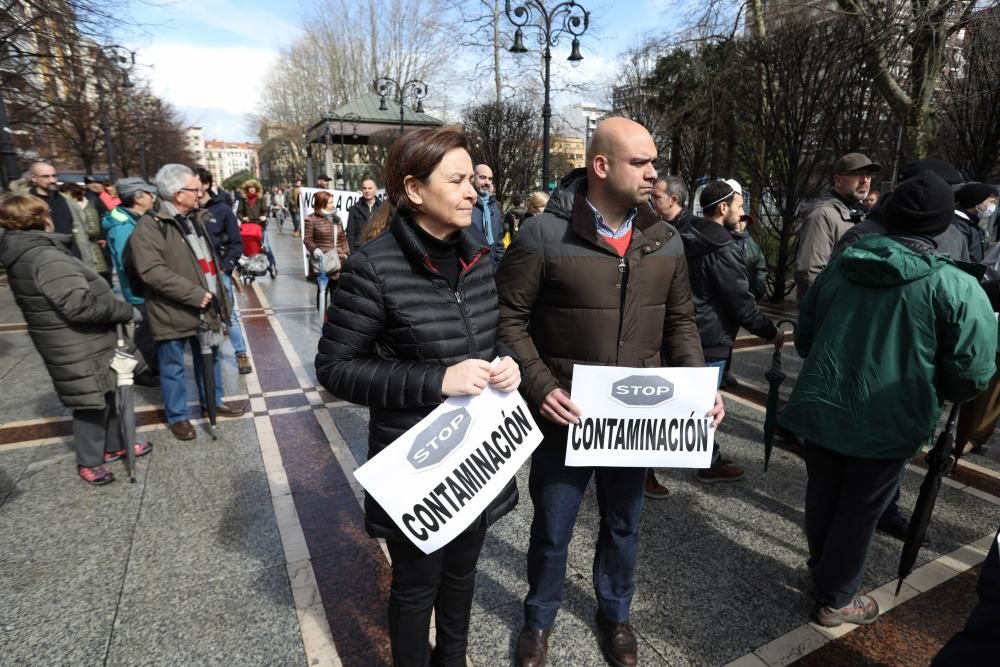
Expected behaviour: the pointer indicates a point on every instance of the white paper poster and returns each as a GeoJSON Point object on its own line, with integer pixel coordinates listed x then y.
{"type": "Point", "coordinates": [642, 417]}
{"type": "Point", "coordinates": [443, 473]}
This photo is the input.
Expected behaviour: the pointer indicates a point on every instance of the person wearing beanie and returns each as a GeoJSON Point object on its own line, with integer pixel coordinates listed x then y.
{"type": "Point", "coordinates": [827, 219]}
{"type": "Point", "coordinates": [974, 202]}
{"type": "Point", "coordinates": [950, 242]}
{"type": "Point", "coordinates": [888, 332]}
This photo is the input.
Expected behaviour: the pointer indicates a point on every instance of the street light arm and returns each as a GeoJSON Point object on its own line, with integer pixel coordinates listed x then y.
{"type": "Point", "coordinates": [385, 86]}
{"type": "Point", "coordinates": [567, 17]}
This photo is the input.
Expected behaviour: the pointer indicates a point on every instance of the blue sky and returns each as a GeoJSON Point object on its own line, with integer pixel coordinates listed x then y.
{"type": "Point", "coordinates": [184, 39]}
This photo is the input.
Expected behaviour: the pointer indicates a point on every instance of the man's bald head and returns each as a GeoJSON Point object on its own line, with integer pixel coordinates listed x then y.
{"type": "Point", "coordinates": [613, 134]}
{"type": "Point", "coordinates": [620, 161]}
{"type": "Point", "coordinates": [44, 177]}
{"type": "Point", "coordinates": [484, 179]}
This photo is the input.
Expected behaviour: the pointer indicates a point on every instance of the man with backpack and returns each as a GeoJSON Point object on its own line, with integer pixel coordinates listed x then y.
{"type": "Point", "coordinates": [176, 262]}
{"type": "Point", "coordinates": [137, 198]}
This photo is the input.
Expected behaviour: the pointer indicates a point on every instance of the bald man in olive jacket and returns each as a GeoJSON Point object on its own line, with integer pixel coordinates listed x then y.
{"type": "Point", "coordinates": [597, 279]}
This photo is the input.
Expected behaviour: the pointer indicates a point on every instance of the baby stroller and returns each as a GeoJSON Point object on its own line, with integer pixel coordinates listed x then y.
{"type": "Point", "coordinates": [254, 262]}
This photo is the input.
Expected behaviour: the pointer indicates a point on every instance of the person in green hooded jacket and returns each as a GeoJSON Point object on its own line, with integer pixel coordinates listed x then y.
{"type": "Point", "coordinates": [889, 331]}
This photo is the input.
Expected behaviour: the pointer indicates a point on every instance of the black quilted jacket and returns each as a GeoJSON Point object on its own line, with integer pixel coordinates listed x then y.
{"type": "Point", "coordinates": [394, 328]}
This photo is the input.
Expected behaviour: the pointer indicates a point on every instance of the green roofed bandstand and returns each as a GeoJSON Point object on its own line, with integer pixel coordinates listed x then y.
{"type": "Point", "coordinates": [349, 137]}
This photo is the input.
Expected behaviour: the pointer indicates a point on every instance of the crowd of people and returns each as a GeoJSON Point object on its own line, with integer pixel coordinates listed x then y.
{"type": "Point", "coordinates": [431, 283]}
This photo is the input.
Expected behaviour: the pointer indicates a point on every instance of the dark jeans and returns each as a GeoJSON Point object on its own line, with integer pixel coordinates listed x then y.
{"type": "Point", "coordinates": [95, 432]}
{"type": "Point", "coordinates": [444, 581]}
{"type": "Point", "coordinates": [172, 384]}
{"type": "Point", "coordinates": [845, 496]}
{"type": "Point", "coordinates": [556, 492]}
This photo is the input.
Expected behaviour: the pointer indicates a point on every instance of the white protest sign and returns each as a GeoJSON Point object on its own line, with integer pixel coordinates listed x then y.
{"type": "Point", "coordinates": [642, 417]}
{"type": "Point", "coordinates": [343, 200]}
{"type": "Point", "coordinates": [439, 476]}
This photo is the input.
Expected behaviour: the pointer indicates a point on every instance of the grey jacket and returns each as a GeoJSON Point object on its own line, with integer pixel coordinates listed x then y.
{"type": "Point", "coordinates": [71, 314]}
{"type": "Point", "coordinates": [824, 221]}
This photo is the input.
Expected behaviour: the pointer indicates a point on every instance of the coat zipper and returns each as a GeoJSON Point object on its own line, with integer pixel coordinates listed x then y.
{"type": "Point", "coordinates": [473, 351]}
{"type": "Point", "coordinates": [623, 281]}
{"type": "Point", "coordinates": [468, 325]}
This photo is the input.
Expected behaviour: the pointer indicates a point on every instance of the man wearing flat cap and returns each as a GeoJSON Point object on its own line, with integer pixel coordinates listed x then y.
{"type": "Point", "coordinates": [830, 217]}
{"type": "Point", "coordinates": [137, 197]}
{"type": "Point", "coordinates": [950, 242]}
{"type": "Point", "coordinates": [889, 331]}
{"type": "Point", "coordinates": [974, 201]}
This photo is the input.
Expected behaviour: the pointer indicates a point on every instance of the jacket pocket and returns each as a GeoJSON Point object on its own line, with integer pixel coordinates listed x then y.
{"type": "Point", "coordinates": [654, 361]}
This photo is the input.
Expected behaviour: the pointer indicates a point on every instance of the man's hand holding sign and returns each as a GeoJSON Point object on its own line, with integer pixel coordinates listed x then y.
{"type": "Point", "coordinates": [560, 409]}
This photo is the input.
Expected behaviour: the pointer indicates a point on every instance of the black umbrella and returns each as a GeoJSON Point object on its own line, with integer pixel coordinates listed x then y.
{"type": "Point", "coordinates": [124, 363]}
{"type": "Point", "coordinates": [210, 338]}
{"type": "Point", "coordinates": [940, 462]}
{"type": "Point", "coordinates": [775, 377]}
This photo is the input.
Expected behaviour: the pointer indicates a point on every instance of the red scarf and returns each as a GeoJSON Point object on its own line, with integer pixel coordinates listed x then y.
{"type": "Point", "coordinates": [252, 200]}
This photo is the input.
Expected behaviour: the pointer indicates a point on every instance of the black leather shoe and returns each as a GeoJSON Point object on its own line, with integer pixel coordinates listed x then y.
{"type": "Point", "coordinates": [532, 647]}
{"type": "Point", "coordinates": [619, 644]}
{"type": "Point", "coordinates": [897, 526]}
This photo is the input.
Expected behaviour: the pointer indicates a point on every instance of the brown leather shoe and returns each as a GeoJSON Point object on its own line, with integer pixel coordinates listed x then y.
{"type": "Point", "coordinates": [182, 430]}
{"type": "Point", "coordinates": [653, 489]}
{"type": "Point", "coordinates": [223, 410]}
{"type": "Point", "coordinates": [532, 647]}
{"type": "Point", "coordinates": [619, 644]}
{"type": "Point", "coordinates": [243, 361]}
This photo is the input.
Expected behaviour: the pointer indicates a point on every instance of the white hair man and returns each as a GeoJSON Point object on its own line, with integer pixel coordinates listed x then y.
{"type": "Point", "coordinates": [174, 256]}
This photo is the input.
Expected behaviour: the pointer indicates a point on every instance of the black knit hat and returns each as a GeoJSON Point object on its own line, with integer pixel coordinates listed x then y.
{"type": "Point", "coordinates": [943, 169]}
{"type": "Point", "coordinates": [923, 204]}
{"type": "Point", "coordinates": [972, 195]}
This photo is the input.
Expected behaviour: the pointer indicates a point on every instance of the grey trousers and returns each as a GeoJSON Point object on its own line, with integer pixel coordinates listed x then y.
{"type": "Point", "coordinates": [845, 496]}
{"type": "Point", "coordinates": [96, 432]}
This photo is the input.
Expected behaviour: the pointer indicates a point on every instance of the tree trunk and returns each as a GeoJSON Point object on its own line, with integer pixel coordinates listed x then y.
{"type": "Point", "coordinates": [783, 264]}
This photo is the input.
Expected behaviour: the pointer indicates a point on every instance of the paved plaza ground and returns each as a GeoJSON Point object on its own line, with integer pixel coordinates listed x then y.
{"type": "Point", "coordinates": [251, 550]}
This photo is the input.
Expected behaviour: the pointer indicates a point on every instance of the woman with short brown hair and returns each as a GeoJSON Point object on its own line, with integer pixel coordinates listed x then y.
{"type": "Point", "coordinates": [72, 315]}
{"type": "Point", "coordinates": [415, 321]}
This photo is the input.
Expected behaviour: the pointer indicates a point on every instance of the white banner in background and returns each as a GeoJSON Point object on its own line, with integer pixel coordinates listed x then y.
{"type": "Point", "coordinates": [642, 417]}
{"type": "Point", "coordinates": [343, 200]}
{"type": "Point", "coordinates": [439, 476]}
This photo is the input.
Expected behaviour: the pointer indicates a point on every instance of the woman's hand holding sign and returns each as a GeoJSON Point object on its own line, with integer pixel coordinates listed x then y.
{"type": "Point", "coordinates": [506, 376]}
{"type": "Point", "coordinates": [466, 378]}
{"type": "Point", "coordinates": [470, 377]}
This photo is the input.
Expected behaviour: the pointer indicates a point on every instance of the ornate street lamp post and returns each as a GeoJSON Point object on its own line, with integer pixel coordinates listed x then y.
{"type": "Point", "coordinates": [567, 17]}
{"type": "Point", "coordinates": [415, 87]}
{"type": "Point", "coordinates": [346, 118]}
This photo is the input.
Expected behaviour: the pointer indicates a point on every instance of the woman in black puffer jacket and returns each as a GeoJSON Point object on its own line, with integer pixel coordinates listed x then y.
{"type": "Point", "coordinates": [71, 314]}
{"type": "Point", "coordinates": [413, 321]}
